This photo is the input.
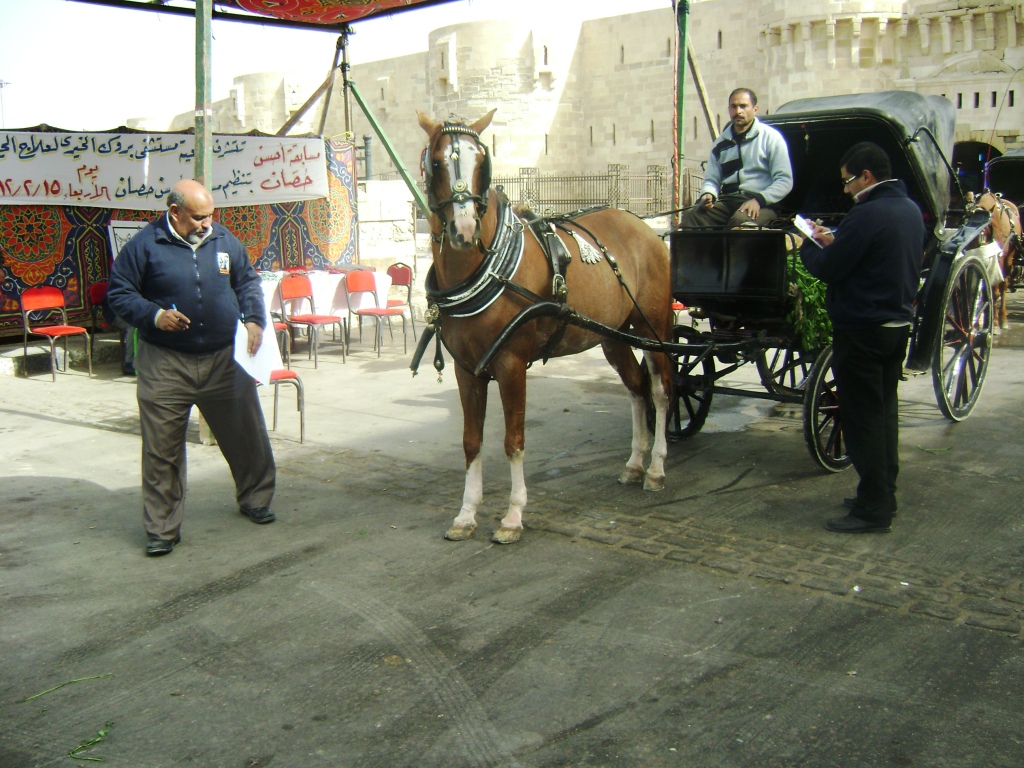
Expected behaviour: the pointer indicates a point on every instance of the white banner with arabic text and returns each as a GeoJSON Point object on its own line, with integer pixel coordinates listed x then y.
{"type": "Point", "coordinates": [137, 170]}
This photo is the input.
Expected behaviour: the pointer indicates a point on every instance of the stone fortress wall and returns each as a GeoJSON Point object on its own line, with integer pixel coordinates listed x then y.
{"type": "Point", "coordinates": [575, 99]}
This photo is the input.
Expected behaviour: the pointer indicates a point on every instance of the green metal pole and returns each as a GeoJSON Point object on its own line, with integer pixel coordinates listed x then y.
{"type": "Point", "coordinates": [204, 87]}
{"type": "Point", "coordinates": [682, 44]}
{"type": "Point", "coordinates": [417, 195]}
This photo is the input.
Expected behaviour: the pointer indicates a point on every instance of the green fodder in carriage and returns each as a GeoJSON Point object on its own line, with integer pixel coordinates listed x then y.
{"type": "Point", "coordinates": [807, 315]}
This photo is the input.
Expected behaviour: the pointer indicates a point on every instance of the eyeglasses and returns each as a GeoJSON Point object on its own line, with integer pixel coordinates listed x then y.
{"type": "Point", "coordinates": [849, 181]}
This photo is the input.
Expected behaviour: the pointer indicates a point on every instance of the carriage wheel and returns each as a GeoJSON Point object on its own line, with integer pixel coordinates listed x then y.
{"type": "Point", "coordinates": [783, 370]}
{"type": "Point", "coordinates": [823, 429]}
{"type": "Point", "coordinates": [694, 380]}
{"type": "Point", "coordinates": [965, 341]}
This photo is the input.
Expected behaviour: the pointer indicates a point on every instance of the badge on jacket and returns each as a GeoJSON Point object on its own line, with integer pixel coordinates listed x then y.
{"type": "Point", "coordinates": [224, 262]}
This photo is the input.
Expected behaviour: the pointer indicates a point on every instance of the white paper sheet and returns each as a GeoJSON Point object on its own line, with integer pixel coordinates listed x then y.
{"type": "Point", "coordinates": [806, 228]}
{"type": "Point", "coordinates": [267, 359]}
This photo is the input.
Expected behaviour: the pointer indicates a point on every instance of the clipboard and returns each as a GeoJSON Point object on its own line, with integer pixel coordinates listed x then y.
{"type": "Point", "coordinates": [806, 229]}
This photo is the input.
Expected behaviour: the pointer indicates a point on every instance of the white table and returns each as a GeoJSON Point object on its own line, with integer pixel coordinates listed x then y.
{"type": "Point", "coordinates": [328, 292]}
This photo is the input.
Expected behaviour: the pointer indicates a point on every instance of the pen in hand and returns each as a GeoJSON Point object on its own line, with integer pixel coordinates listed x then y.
{"type": "Point", "coordinates": [180, 321]}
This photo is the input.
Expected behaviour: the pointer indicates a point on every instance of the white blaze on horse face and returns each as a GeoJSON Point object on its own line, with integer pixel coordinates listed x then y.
{"type": "Point", "coordinates": [461, 159]}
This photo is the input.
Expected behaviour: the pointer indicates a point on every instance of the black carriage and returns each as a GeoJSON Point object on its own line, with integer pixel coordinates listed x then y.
{"type": "Point", "coordinates": [1005, 175]}
{"type": "Point", "coordinates": [737, 284]}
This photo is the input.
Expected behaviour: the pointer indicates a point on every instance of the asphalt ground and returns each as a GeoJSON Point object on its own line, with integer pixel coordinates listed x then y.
{"type": "Point", "coordinates": [716, 623]}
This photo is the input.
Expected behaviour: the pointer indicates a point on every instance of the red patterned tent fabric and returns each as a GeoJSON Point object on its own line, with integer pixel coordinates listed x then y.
{"type": "Point", "coordinates": [321, 11]}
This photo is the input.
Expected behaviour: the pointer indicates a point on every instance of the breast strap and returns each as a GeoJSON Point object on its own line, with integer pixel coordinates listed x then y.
{"type": "Point", "coordinates": [478, 291]}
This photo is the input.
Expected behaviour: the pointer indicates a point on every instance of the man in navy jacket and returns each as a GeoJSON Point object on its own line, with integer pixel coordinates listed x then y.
{"type": "Point", "coordinates": [184, 282]}
{"type": "Point", "coordinates": [871, 265]}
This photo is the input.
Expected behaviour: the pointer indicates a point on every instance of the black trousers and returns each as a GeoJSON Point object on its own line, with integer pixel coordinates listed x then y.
{"type": "Point", "coordinates": [868, 365]}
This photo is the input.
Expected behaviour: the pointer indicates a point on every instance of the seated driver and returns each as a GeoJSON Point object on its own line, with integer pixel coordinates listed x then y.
{"type": "Point", "coordinates": [748, 171]}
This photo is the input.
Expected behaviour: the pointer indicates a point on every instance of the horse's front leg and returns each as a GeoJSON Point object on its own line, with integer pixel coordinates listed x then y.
{"type": "Point", "coordinates": [473, 394]}
{"type": "Point", "coordinates": [512, 386]}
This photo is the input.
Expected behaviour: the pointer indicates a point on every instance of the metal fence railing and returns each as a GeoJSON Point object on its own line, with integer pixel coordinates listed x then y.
{"type": "Point", "coordinates": [644, 194]}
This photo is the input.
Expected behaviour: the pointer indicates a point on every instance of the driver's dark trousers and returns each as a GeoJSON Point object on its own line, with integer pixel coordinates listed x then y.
{"type": "Point", "coordinates": [868, 365]}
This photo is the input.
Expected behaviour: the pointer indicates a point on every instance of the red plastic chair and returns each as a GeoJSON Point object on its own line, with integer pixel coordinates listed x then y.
{"type": "Point", "coordinates": [297, 290]}
{"type": "Point", "coordinates": [401, 277]}
{"type": "Point", "coordinates": [48, 301]}
{"type": "Point", "coordinates": [284, 331]}
{"type": "Point", "coordinates": [358, 283]}
{"type": "Point", "coordinates": [286, 376]}
{"type": "Point", "coordinates": [97, 294]}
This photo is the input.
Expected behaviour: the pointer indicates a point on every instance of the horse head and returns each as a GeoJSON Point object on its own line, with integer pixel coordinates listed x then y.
{"type": "Point", "coordinates": [457, 169]}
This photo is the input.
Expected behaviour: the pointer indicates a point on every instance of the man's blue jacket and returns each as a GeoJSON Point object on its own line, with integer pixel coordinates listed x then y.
{"type": "Point", "coordinates": [215, 287]}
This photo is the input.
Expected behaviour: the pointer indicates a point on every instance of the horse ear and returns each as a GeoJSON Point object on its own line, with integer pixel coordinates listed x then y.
{"type": "Point", "coordinates": [425, 121]}
{"type": "Point", "coordinates": [481, 125]}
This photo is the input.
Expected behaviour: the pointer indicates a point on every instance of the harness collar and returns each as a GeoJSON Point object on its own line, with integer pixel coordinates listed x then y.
{"type": "Point", "coordinates": [478, 291]}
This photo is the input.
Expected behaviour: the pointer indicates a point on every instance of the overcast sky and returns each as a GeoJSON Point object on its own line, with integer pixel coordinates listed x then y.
{"type": "Point", "coordinates": [85, 67]}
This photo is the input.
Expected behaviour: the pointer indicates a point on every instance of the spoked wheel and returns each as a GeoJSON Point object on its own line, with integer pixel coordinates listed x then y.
{"type": "Point", "coordinates": [965, 340]}
{"type": "Point", "coordinates": [823, 428]}
{"type": "Point", "coordinates": [784, 371]}
{"type": "Point", "coordinates": [694, 380]}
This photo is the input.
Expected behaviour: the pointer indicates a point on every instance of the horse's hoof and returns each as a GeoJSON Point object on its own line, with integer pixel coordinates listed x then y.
{"type": "Point", "coordinates": [631, 476]}
{"type": "Point", "coordinates": [654, 483]}
{"type": "Point", "coordinates": [506, 535]}
{"type": "Point", "coordinates": [460, 532]}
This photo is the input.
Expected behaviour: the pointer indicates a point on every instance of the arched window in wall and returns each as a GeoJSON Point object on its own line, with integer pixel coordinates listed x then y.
{"type": "Point", "coordinates": [719, 39]}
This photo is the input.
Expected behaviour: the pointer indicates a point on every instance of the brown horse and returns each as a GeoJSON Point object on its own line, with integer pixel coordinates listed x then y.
{"type": "Point", "coordinates": [489, 267]}
{"type": "Point", "coordinates": [1005, 230]}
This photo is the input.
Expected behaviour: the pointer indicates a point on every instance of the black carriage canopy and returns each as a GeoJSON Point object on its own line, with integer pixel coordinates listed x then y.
{"type": "Point", "coordinates": [1006, 176]}
{"type": "Point", "coordinates": [819, 131]}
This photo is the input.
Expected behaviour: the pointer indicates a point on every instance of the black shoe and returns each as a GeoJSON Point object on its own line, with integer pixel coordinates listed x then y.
{"type": "Point", "coordinates": [851, 524]}
{"type": "Point", "coordinates": [851, 501]}
{"type": "Point", "coordinates": [157, 547]}
{"type": "Point", "coordinates": [128, 369]}
{"type": "Point", "coordinates": [259, 515]}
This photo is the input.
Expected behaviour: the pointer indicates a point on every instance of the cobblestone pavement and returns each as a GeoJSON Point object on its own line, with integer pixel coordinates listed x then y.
{"type": "Point", "coordinates": [853, 571]}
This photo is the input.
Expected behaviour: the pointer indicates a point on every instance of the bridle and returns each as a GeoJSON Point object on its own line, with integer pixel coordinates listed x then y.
{"type": "Point", "coordinates": [461, 191]}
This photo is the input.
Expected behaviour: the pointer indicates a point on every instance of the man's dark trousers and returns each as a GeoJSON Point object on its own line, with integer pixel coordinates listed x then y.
{"type": "Point", "coordinates": [169, 383]}
{"type": "Point", "coordinates": [868, 365]}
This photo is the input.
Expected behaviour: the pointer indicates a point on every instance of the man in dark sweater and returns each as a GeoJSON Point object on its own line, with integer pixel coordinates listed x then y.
{"type": "Point", "coordinates": [871, 265]}
{"type": "Point", "coordinates": [185, 282]}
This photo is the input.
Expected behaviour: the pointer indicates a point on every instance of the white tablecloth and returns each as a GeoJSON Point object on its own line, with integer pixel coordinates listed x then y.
{"type": "Point", "coordinates": [328, 292]}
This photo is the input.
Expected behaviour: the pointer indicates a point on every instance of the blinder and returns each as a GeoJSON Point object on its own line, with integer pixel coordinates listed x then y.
{"type": "Point", "coordinates": [460, 188]}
